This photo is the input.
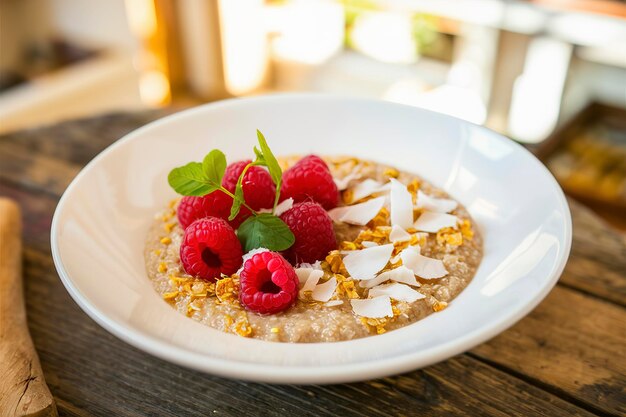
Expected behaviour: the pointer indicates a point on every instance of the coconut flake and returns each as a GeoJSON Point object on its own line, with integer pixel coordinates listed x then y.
{"type": "Point", "coordinates": [429, 203]}
{"type": "Point", "coordinates": [359, 214]}
{"type": "Point", "coordinates": [400, 292]}
{"type": "Point", "coordinates": [365, 263]}
{"type": "Point", "coordinates": [316, 265]}
{"type": "Point", "coordinates": [366, 188]}
{"type": "Point", "coordinates": [312, 278]}
{"type": "Point", "coordinates": [283, 206]}
{"type": "Point", "coordinates": [374, 308]}
{"type": "Point", "coordinates": [399, 274]}
{"type": "Point", "coordinates": [342, 183]}
{"type": "Point", "coordinates": [398, 234]}
{"type": "Point", "coordinates": [401, 204]}
{"type": "Point", "coordinates": [323, 292]}
{"type": "Point", "coordinates": [334, 303]}
{"type": "Point", "coordinates": [368, 244]}
{"type": "Point", "coordinates": [422, 266]}
{"type": "Point", "coordinates": [432, 222]}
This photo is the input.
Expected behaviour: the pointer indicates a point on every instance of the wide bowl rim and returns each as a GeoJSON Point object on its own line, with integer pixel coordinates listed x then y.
{"type": "Point", "coordinates": [304, 374]}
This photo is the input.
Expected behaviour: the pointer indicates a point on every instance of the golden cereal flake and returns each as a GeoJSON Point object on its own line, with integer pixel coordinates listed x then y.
{"type": "Point", "coordinates": [347, 287]}
{"type": "Point", "coordinates": [166, 240]}
{"type": "Point", "coordinates": [168, 227]}
{"type": "Point", "coordinates": [335, 263]}
{"type": "Point", "coordinates": [242, 326]}
{"type": "Point", "coordinates": [226, 289]}
{"type": "Point", "coordinates": [449, 236]}
{"type": "Point", "coordinates": [381, 219]}
{"type": "Point", "coordinates": [439, 305]}
{"type": "Point", "coordinates": [391, 173]}
{"type": "Point", "coordinates": [347, 245]}
{"type": "Point", "coordinates": [228, 321]}
{"type": "Point", "coordinates": [275, 330]}
{"type": "Point", "coordinates": [157, 252]}
{"type": "Point", "coordinates": [162, 267]}
{"type": "Point", "coordinates": [174, 202]}
{"type": "Point", "coordinates": [347, 196]}
{"type": "Point", "coordinates": [170, 295]}
{"type": "Point", "coordinates": [466, 229]}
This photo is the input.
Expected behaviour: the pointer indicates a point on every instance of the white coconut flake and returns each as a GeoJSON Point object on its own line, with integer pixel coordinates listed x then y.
{"type": "Point", "coordinates": [373, 308]}
{"type": "Point", "coordinates": [311, 279]}
{"type": "Point", "coordinates": [283, 206]}
{"type": "Point", "coordinates": [316, 265]}
{"type": "Point", "coordinates": [396, 291]}
{"type": "Point", "coordinates": [400, 274]}
{"type": "Point", "coordinates": [324, 292]}
{"type": "Point", "coordinates": [366, 188]}
{"type": "Point", "coordinates": [369, 244]}
{"type": "Point", "coordinates": [429, 203]}
{"type": "Point", "coordinates": [422, 266]}
{"type": "Point", "coordinates": [401, 204]}
{"type": "Point", "coordinates": [432, 222]}
{"type": "Point", "coordinates": [342, 183]}
{"type": "Point", "coordinates": [398, 234]}
{"type": "Point", "coordinates": [358, 214]}
{"type": "Point", "coordinates": [334, 303]}
{"type": "Point", "coordinates": [365, 263]}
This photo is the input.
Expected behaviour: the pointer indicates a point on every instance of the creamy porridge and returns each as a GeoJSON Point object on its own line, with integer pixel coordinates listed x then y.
{"type": "Point", "coordinates": [458, 245]}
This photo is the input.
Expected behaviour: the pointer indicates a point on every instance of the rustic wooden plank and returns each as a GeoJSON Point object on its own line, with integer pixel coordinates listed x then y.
{"type": "Point", "coordinates": [573, 343]}
{"type": "Point", "coordinates": [597, 263]}
{"type": "Point", "coordinates": [89, 370]}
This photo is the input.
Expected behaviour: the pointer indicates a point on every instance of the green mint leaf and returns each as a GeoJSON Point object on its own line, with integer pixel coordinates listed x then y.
{"type": "Point", "coordinates": [259, 156]}
{"type": "Point", "coordinates": [269, 159]}
{"type": "Point", "coordinates": [191, 180]}
{"type": "Point", "coordinates": [238, 200]}
{"type": "Point", "coordinates": [214, 165]}
{"type": "Point", "coordinates": [265, 231]}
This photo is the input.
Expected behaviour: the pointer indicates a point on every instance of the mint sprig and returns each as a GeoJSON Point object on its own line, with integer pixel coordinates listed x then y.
{"type": "Point", "coordinates": [265, 231]}
{"type": "Point", "coordinates": [261, 229]}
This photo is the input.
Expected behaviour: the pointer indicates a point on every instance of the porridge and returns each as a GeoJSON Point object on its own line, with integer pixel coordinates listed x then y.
{"type": "Point", "coordinates": [374, 251]}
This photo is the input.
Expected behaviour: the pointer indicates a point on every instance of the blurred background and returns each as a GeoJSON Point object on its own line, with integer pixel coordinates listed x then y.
{"type": "Point", "coordinates": [548, 73]}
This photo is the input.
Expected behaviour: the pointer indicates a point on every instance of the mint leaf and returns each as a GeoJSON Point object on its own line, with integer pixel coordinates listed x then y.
{"type": "Point", "coordinates": [191, 179]}
{"type": "Point", "coordinates": [238, 200]}
{"type": "Point", "coordinates": [269, 159]}
{"type": "Point", "coordinates": [214, 165]}
{"type": "Point", "coordinates": [265, 231]}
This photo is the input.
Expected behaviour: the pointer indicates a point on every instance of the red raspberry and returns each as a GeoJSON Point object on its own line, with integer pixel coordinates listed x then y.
{"type": "Point", "coordinates": [313, 230]}
{"type": "Point", "coordinates": [258, 188]}
{"type": "Point", "coordinates": [310, 178]}
{"type": "Point", "coordinates": [210, 248]}
{"type": "Point", "coordinates": [268, 284]}
{"type": "Point", "coordinates": [215, 204]}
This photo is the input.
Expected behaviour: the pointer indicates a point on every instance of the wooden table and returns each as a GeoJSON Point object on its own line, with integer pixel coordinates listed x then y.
{"type": "Point", "coordinates": [568, 357]}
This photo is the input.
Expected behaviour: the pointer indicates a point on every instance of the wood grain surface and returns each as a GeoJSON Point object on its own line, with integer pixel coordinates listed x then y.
{"type": "Point", "coordinates": [566, 358]}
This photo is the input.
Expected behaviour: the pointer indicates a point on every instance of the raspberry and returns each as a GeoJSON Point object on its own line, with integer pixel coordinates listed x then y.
{"type": "Point", "coordinates": [258, 188]}
{"type": "Point", "coordinates": [313, 230]}
{"type": "Point", "coordinates": [310, 178]}
{"type": "Point", "coordinates": [215, 204]}
{"type": "Point", "coordinates": [210, 248]}
{"type": "Point", "coordinates": [268, 284]}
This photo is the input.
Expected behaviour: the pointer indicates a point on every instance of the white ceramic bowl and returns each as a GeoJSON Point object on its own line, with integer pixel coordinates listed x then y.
{"type": "Point", "coordinates": [100, 223]}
